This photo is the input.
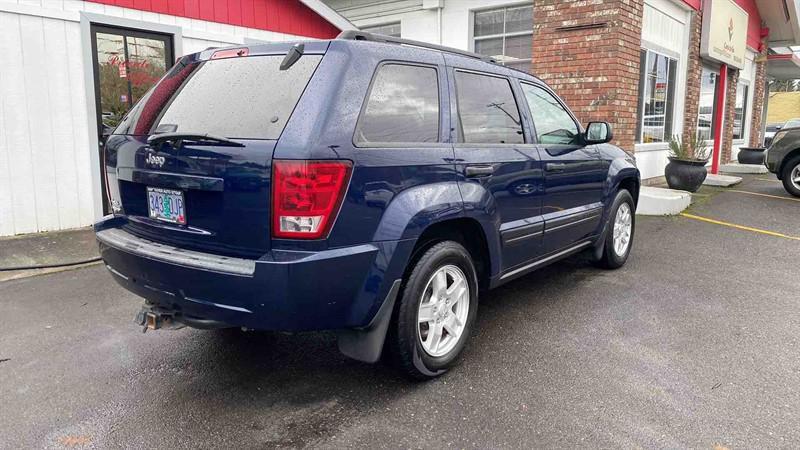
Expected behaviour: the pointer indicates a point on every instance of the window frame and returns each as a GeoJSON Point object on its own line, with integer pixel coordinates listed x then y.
{"type": "Point", "coordinates": [503, 35]}
{"type": "Point", "coordinates": [671, 90]}
{"type": "Point", "coordinates": [715, 71]}
{"type": "Point", "coordinates": [456, 115]}
{"type": "Point", "coordinates": [365, 101]}
{"type": "Point", "coordinates": [546, 88]}
{"type": "Point", "coordinates": [744, 125]}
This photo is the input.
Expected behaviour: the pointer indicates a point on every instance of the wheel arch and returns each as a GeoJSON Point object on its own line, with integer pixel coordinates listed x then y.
{"type": "Point", "coordinates": [467, 232]}
{"type": "Point", "coordinates": [785, 161]}
{"type": "Point", "coordinates": [632, 185]}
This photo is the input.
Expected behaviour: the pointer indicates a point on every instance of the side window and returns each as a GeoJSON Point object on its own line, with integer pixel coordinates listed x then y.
{"type": "Point", "coordinates": [403, 106]}
{"type": "Point", "coordinates": [553, 123]}
{"type": "Point", "coordinates": [487, 110]}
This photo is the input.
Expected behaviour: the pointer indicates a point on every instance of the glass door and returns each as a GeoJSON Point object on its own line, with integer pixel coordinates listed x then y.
{"type": "Point", "coordinates": [126, 64]}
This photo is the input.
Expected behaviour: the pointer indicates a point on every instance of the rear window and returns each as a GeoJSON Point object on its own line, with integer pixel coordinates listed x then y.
{"type": "Point", "coordinates": [403, 106]}
{"type": "Point", "coordinates": [247, 98]}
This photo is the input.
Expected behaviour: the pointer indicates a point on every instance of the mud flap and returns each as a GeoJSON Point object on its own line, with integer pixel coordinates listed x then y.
{"type": "Point", "coordinates": [366, 344]}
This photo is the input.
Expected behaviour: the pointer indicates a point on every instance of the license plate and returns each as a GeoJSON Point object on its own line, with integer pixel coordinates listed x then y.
{"type": "Point", "coordinates": [166, 205]}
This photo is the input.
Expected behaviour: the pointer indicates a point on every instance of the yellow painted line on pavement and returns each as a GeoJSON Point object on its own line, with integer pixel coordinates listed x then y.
{"type": "Point", "coordinates": [764, 195]}
{"type": "Point", "coordinates": [740, 227]}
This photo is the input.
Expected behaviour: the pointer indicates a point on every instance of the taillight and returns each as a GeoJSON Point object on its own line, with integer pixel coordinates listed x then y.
{"type": "Point", "coordinates": [306, 196]}
{"type": "Point", "coordinates": [230, 53]}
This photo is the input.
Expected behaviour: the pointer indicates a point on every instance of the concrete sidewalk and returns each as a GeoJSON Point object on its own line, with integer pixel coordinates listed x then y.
{"type": "Point", "coordinates": [46, 249]}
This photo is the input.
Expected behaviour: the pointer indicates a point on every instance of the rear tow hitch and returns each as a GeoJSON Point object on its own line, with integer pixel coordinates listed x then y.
{"type": "Point", "coordinates": [154, 318]}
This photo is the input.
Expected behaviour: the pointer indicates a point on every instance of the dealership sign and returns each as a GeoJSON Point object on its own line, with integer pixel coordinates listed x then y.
{"type": "Point", "coordinates": [724, 32]}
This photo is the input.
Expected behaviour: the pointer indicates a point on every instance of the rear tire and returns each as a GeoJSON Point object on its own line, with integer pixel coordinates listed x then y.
{"type": "Point", "coordinates": [791, 177]}
{"type": "Point", "coordinates": [437, 307]}
{"type": "Point", "coordinates": [619, 232]}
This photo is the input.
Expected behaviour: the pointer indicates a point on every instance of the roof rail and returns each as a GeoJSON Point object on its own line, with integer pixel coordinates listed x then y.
{"type": "Point", "coordinates": [356, 35]}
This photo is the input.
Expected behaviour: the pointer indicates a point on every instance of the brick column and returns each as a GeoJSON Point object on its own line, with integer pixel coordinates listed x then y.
{"type": "Point", "coordinates": [730, 109]}
{"type": "Point", "coordinates": [691, 103]}
{"type": "Point", "coordinates": [759, 87]}
{"type": "Point", "coordinates": [588, 52]}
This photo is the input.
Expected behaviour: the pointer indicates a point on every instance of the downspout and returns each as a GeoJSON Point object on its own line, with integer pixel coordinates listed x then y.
{"type": "Point", "coordinates": [439, 18]}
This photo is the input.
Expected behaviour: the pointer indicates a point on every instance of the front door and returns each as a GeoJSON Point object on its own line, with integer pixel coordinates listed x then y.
{"type": "Point", "coordinates": [498, 169]}
{"type": "Point", "coordinates": [574, 174]}
{"type": "Point", "coordinates": [126, 64]}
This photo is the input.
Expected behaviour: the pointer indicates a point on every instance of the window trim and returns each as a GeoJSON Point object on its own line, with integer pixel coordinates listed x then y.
{"type": "Point", "coordinates": [357, 144]}
{"type": "Point", "coordinates": [745, 125]}
{"type": "Point", "coordinates": [714, 69]}
{"type": "Point", "coordinates": [504, 35]}
{"type": "Point", "coordinates": [671, 89]}
{"type": "Point", "coordinates": [459, 141]}
{"type": "Point", "coordinates": [546, 88]}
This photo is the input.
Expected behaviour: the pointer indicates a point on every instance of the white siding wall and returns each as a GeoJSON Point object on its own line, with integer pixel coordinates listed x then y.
{"type": "Point", "coordinates": [46, 154]}
{"type": "Point", "coordinates": [422, 24]}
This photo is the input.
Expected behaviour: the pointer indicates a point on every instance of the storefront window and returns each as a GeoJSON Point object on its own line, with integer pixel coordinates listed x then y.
{"type": "Point", "coordinates": [656, 97]}
{"type": "Point", "coordinates": [705, 113]}
{"type": "Point", "coordinates": [505, 34]}
{"type": "Point", "coordinates": [740, 113]}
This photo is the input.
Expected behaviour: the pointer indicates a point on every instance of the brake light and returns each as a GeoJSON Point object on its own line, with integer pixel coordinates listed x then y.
{"type": "Point", "coordinates": [306, 196]}
{"type": "Point", "coordinates": [230, 53]}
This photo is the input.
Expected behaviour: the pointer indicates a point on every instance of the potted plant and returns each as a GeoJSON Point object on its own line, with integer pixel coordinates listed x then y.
{"type": "Point", "coordinates": [686, 170]}
{"type": "Point", "coordinates": [751, 155]}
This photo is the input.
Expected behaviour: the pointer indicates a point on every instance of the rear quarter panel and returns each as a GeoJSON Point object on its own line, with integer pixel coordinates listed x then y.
{"type": "Point", "coordinates": [394, 191]}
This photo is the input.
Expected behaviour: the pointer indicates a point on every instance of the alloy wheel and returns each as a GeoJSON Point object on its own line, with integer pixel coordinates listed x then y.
{"type": "Point", "coordinates": [443, 310]}
{"type": "Point", "coordinates": [622, 229]}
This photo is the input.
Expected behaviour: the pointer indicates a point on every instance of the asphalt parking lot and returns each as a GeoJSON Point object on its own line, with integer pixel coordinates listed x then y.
{"type": "Point", "coordinates": [695, 343]}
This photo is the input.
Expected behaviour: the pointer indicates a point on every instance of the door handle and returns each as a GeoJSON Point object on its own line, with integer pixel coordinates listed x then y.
{"type": "Point", "coordinates": [478, 171]}
{"type": "Point", "coordinates": [556, 167]}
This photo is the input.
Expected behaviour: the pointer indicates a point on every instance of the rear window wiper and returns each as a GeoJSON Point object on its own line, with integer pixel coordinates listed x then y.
{"type": "Point", "coordinates": [192, 137]}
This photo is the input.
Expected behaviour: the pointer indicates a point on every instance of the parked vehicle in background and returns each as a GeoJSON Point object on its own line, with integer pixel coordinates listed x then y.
{"type": "Point", "coordinates": [783, 158]}
{"type": "Point", "coordinates": [769, 133]}
{"type": "Point", "coordinates": [374, 188]}
{"type": "Point", "coordinates": [771, 129]}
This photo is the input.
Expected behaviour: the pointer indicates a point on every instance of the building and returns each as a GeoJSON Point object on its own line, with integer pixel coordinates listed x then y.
{"type": "Point", "coordinates": [650, 67]}
{"type": "Point", "coordinates": [783, 106]}
{"type": "Point", "coordinates": [69, 69]}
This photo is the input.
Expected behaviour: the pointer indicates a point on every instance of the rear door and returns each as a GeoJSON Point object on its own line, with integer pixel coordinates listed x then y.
{"type": "Point", "coordinates": [574, 174]}
{"type": "Point", "coordinates": [207, 193]}
{"type": "Point", "coordinates": [491, 152]}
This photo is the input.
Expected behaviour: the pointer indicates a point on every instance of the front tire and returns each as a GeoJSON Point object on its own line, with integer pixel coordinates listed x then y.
{"type": "Point", "coordinates": [619, 232]}
{"type": "Point", "coordinates": [791, 177]}
{"type": "Point", "coordinates": [438, 304]}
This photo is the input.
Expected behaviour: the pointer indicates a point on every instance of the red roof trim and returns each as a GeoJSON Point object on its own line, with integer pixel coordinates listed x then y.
{"type": "Point", "coordinates": [281, 16]}
{"type": "Point", "coordinates": [694, 4]}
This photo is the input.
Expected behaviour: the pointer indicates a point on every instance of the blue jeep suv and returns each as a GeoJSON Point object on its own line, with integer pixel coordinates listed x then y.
{"type": "Point", "coordinates": [367, 185]}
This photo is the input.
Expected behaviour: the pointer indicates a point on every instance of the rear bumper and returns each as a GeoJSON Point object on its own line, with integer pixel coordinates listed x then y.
{"type": "Point", "coordinates": [283, 290]}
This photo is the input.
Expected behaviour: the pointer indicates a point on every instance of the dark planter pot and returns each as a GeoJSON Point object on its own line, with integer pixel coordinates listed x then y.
{"type": "Point", "coordinates": [751, 155]}
{"type": "Point", "coordinates": [685, 175]}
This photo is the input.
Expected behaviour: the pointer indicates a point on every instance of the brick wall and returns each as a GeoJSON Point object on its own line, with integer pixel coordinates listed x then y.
{"type": "Point", "coordinates": [588, 52]}
{"type": "Point", "coordinates": [726, 149]}
{"type": "Point", "coordinates": [693, 75]}
{"type": "Point", "coordinates": [759, 85]}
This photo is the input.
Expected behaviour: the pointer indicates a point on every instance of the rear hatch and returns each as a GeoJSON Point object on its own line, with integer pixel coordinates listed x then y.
{"type": "Point", "coordinates": [190, 165]}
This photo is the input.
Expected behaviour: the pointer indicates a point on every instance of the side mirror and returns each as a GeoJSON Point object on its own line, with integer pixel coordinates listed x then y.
{"type": "Point", "coordinates": [598, 133]}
